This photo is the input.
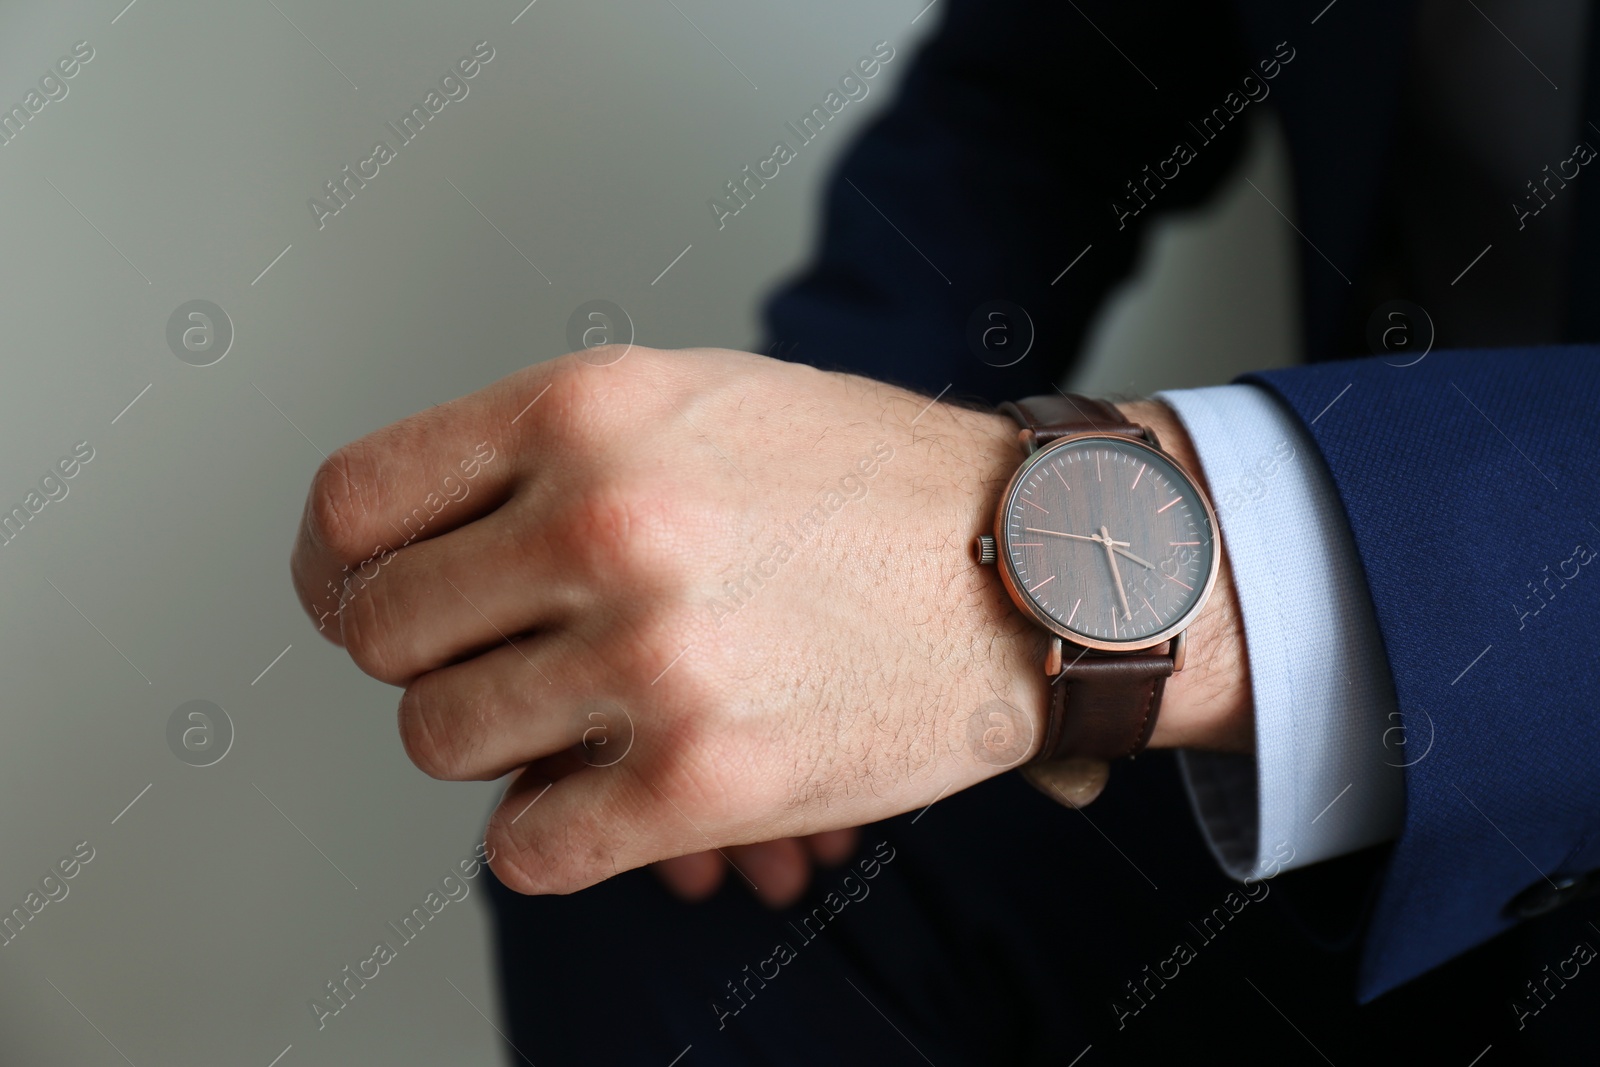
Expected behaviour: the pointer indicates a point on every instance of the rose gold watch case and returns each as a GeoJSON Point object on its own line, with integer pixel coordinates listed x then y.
{"type": "Point", "coordinates": [1026, 605]}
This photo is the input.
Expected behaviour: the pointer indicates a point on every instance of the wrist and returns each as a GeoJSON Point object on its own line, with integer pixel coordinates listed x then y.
{"type": "Point", "coordinates": [1207, 705]}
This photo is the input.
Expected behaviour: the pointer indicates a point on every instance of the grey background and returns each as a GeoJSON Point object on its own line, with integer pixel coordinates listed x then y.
{"type": "Point", "coordinates": [177, 168]}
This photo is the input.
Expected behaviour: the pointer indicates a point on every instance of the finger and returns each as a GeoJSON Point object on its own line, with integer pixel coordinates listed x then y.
{"type": "Point", "coordinates": [482, 718]}
{"type": "Point", "coordinates": [693, 877]}
{"type": "Point", "coordinates": [594, 824]}
{"type": "Point", "coordinates": [443, 599]}
{"type": "Point", "coordinates": [589, 826]}
{"type": "Point", "coordinates": [777, 870]}
{"type": "Point", "coordinates": [833, 847]}
{"type": "Point", "coordinates": [417, 478]}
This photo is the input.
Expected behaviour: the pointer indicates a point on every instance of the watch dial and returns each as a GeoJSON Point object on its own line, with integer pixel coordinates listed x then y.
{"type": "Point", "coordinates": [1107, 538]}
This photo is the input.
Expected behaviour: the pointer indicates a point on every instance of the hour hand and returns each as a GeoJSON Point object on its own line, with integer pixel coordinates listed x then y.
{"type": "Point", "coordinates": [1076, 537]}
{"type": "Point", "coordinates": [1136, 559]}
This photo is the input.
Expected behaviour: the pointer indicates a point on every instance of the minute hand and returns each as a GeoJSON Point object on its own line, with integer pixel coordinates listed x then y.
{"type": "Point", "coordinates": [1116, 576]}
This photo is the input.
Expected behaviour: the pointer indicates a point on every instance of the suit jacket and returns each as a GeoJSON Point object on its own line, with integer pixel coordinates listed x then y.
{"type": "Point", "coordinates": [1468, 478]}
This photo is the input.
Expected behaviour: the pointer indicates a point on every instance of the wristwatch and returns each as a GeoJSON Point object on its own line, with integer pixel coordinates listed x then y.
{"type": "Point", "coordinates": [1110, 546]}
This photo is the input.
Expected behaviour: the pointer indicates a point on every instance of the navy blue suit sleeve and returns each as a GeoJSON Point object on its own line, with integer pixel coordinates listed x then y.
{"type": "Point", "coordinates": [1470, 483]}
{"type": "Point", "coordinates": [1018, 128]}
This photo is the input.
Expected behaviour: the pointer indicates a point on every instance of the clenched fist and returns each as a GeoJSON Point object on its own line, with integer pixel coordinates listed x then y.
{"type": "Point", "coordinates": [697, 600]}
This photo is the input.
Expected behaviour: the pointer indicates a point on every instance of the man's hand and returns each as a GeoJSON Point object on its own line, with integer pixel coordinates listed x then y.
{"type": "Point", "coordinates": [697, 600]}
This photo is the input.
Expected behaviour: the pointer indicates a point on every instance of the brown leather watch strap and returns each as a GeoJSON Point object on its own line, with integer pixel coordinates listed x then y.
{"type": "Point", "coordinates": [1056, 415]}
{"type": "Point", "coordinates": [1103, 706]}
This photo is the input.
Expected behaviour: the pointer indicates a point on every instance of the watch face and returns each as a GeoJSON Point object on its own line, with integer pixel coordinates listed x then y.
{"type": "Point", "coordinates": [1107, 542]}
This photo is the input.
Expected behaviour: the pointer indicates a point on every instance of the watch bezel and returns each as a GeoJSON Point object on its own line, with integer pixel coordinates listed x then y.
{"type": "Point", "coordinates": [1026, 604]}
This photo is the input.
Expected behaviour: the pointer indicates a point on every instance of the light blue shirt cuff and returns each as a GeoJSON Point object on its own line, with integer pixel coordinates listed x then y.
{"type": "Point", "coordinates": [1327, 777]}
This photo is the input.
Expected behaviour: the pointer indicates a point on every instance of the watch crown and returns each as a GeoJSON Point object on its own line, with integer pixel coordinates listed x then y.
{"type": "Point", "coordinates": [984, 549]}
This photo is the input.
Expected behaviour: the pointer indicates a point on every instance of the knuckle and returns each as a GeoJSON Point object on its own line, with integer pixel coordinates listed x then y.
{"type": "Point", "coordinates": [608, 357]}
{"type": "Point", "coordinates": [605, 355]}
{"type": "Point", "coordinates": [587, 403]}
{"type": "Point", "coordinates": [370, 637]}
{"type": "Point", "coordinates": [628, 531]}
{"type": "Point", "coordinates": [661, 672]}
{"type": "Point", "coordinates": [573, 409]}
{"type": "Point", "coordinates": [423, 737]}
{"type": "Point", "coordinates": [558, 862]}
{"type": "Point", "coordinates": [335, 512]}
{"type": "Point", "coordinates": [506, 861]}
{"type": "Point", "coordinates": [708, 766]}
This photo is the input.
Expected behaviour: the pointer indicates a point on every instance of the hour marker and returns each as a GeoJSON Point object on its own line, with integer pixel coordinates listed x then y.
{"type": "Point", "coordinates": [1097, 468]}
{"type": "Point", "coordinates": [1136, 477]}
{"type": "Point", "coordinates": [1042, 584]}
{"type": "Point", "coordinates": [1114, 625]}
{"type": "Point", "coordinates": [1027, 544]}
{"type": "Point", "coordinates": [1039, 506]}
{"type": "Point", "coordinates": [1186, 585]}
{"type": "Point", "coordinates": [1168, 504]}
{"type": "Point", "coordinates": [1074, 611]}
{"type": "Point", "coordinates": [1183, 542]}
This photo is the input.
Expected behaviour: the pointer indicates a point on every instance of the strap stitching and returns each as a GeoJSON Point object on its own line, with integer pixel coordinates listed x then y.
{"type": "Point", "coordinates": [1138, 736]}
{"type": "Point", "coordinates": [1056, 728]}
